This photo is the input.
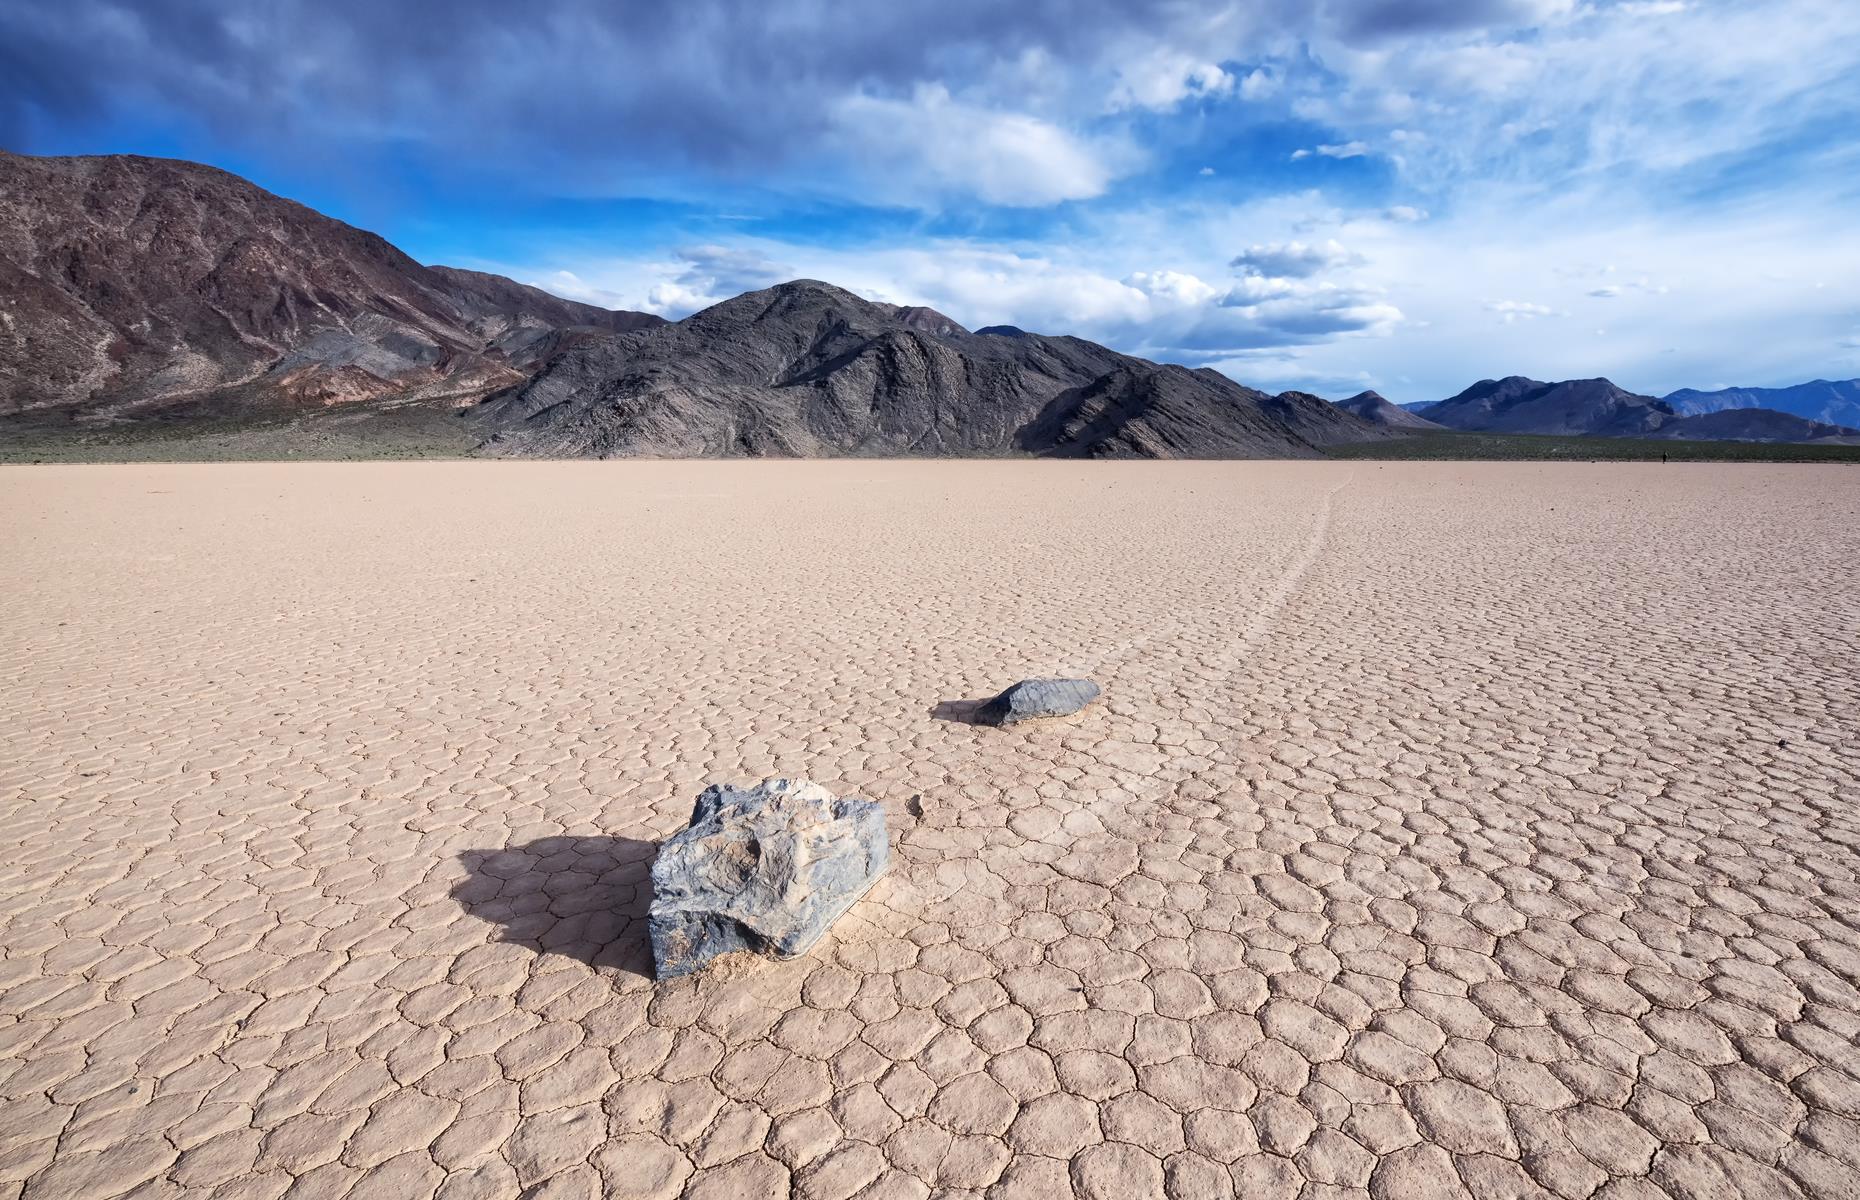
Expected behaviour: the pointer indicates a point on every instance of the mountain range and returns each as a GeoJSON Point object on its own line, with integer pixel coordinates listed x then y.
{"type": "Point", "coordinates": [138, 288]}
{"type": "Point", "coordinates": [1835, 402]}
{"type": "Point", "coordinates": [808, 369]}
{"type": "Point", "coordinates": [1599, 408]}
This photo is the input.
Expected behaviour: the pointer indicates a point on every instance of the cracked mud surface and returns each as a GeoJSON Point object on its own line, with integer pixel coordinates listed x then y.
{"type": "Point", "coordinates": [1444, 830]}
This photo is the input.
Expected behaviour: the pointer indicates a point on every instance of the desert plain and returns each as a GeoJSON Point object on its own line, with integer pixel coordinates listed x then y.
{"type": "Point", "coordinates": [1445, 830]}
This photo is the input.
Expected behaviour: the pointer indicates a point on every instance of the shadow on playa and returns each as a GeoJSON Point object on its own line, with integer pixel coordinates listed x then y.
{"type": "Point", "coordinates": [584, 898]}
{"type": "Point", "coordinates": [961, 712]}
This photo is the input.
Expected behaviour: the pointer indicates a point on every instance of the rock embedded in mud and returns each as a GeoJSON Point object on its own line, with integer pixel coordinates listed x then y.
{"type": "Point", "coordinates": [1032, 699]}
{"type": "Point", "coordinates": [766, 869]}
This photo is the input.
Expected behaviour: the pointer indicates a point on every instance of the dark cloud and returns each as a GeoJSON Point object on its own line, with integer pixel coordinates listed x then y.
{"type": "Point", "coordinates": [723, 83]}
{"type": "Point", "coordinates": [1228, 327]}
{"type": "Point", "coordinates": [1399, 18]}
{"type": "Point", "coordinates": [593, 94]}
{"type": "Point", "coordinates": [1295, 260]}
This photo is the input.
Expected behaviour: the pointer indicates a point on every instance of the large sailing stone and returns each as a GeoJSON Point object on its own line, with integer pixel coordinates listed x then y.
{"type": "Point", "coordinates": [1034, 698]}
{"type": "Point", "coordinates": [767, 869]}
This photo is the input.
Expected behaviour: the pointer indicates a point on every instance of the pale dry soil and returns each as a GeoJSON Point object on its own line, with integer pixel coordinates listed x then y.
{"type": "Point", "coordinates": [1445, 830]}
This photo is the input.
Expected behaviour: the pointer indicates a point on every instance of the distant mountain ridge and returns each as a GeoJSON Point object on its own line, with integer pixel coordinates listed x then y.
{"type": "Point", "coordinates": [1599, 408]}
{"type": "Point", "coordinates": [131, 282]}
{"type": "Point", "coordinates": [1377, 410]}
{"type": "Point", "coordinates": [808, 369]}
{"type": "Point", "coordinates": [1835, 402]}
{"type": "Point", "coordinates": [1757, 425]}
{"type": "Point", "coordinates": [1574, 407]}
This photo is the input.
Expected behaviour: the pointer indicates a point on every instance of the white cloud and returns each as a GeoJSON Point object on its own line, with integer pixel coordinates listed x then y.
{"type": "Point", "coordinates": [1341, 150]}
{"type": "Point", "coordinates": [1159, 312]}
{"type": "Point", "coordinates": [932, 146]}
{"type": "Point", "coordinates": [574, 287]}
{"type": "Point", "coordinates": [989, 285]}
{"type": "Point", "coordinates": [1613, 286]}
{"type": "Point", "coordinates": [1251, 289]}
{"type": "Point", "coordinates": [1406, 213]}
{"type": "Point", "coordinates": [1168, 313]}
{"type": "Point", "coordinates": [1513, 311]}
{"type": "Point", "coordinates": [1163, 79]}
{"type": "Point", "coordinates": [1259, 84]}
{"type": "Point", "coordinates": [1173, 287]}
{"type": "Point", "coordinates": [700, 276]}
{"type": "Point", "coordinates": [1574, 91]}
{"type": "Point", "coordinates": [675, 300]}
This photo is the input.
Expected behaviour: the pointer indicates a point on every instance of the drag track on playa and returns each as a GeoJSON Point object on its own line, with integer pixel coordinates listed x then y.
{"type": "Point", "coordinates": [1445, 829]}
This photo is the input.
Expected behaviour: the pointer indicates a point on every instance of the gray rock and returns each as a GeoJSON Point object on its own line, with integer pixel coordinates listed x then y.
{"type": "Point", "coordinates": [1034, 698]}
{"type": "Point", "coordinates": [766, 869]}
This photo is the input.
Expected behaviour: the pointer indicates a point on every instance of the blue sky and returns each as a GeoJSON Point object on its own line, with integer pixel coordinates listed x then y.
{"type": "Point", "coordinates": [1327, 194]}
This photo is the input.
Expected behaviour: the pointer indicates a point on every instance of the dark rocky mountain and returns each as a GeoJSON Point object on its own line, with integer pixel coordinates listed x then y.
{"type": "Point", "coordinates": [1573, 407]}
{"type": "Point", "coordinates": [1834, 402]}
{"type": "Point", "coordinates": [1374, 408]}
{"type": "Point", "coordinates": [131, 283]}
{"type": "Point", "coordinates": [809, 369]}
{"type": "Point", "coordinates": [926, 320]}
{"type": "Point", "coordinates": [1314, 418]}
{"type": "Point", "coordinates": [1142, 410]}
{"type": "Point", "coordinates": [1757, 425]}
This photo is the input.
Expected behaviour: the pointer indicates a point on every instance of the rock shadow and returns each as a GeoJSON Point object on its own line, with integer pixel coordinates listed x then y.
{"type": "Point", "coordinates": [962, 712]}
{"type": "Point", "coordinates": [584, 898]}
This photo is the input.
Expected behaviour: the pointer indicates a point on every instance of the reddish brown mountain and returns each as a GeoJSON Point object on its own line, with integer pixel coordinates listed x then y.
{"type": "Point", "coordinates": [131, 283]}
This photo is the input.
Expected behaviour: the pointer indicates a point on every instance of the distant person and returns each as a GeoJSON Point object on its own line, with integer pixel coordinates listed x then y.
{"type": "Point", "coordinates": [1662, 456]}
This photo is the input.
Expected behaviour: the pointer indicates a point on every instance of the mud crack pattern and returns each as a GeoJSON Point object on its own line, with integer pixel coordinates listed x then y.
{"type": "Point", "coordinates": [1462, 831]}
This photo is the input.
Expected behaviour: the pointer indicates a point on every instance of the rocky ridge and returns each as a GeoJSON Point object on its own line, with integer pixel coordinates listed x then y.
{"type": "Point", "coordinates": [1574, 407]}
{"type": "Point", "coordinates": [808, 369]}
{"type": "Point", "coordinates": [131, 283]}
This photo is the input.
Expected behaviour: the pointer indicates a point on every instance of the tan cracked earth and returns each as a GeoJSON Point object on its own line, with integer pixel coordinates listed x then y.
{"type": "Point", "coordinates": [1446, 830]}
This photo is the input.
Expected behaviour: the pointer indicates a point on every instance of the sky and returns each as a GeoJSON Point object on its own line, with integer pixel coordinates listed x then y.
{"type": "Point", "coordinates": [1331, 195]}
